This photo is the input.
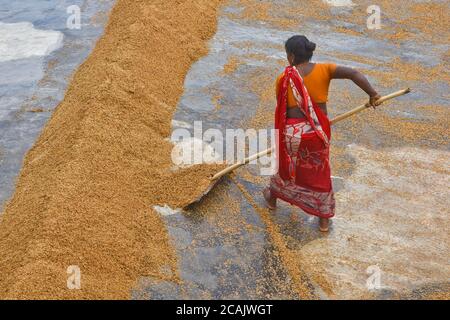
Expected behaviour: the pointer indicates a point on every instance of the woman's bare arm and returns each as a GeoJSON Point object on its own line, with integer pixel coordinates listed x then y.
{"type": "Point", "coordinates": [359, 79]}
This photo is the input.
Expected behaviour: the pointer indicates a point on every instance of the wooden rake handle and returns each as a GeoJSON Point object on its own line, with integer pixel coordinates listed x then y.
{"type": "Point", "coordinates": [333, 121]}
{"type": "Point", "coordinates": [367, 105]}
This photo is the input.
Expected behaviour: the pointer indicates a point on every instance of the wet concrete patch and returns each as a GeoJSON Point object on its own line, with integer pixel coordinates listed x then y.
{"type": "Point", "coordinates": [223, 254]}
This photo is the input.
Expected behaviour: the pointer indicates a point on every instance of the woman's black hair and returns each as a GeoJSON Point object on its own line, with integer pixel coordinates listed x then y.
{"type": "Point", "coordinates": [301, 48]}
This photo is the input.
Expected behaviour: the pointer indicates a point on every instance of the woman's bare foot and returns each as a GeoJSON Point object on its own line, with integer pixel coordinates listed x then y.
{"type": "Point", "coordinates": [271, 201]}
{"type": "Point", "coordinates": [323, 224]}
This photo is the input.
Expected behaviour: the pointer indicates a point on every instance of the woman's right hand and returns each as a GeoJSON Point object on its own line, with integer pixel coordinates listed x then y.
{"type": "Point", "coordinates": [373, 100]}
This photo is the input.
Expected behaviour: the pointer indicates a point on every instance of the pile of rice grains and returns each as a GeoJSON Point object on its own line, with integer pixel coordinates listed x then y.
{"type": "Point", "coordinates": [85, 194]}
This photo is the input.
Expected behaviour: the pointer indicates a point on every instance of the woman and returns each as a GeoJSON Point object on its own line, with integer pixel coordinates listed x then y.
{"type": "Point", "coordinates": [303, 144]}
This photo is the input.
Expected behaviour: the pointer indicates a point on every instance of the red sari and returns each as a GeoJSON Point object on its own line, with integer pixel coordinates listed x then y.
{"type": "Point", "coordinates": [303, 149]}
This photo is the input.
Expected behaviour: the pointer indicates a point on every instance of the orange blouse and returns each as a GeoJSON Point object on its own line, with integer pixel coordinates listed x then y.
{"type": "Point", "coordinates": [317, 82]}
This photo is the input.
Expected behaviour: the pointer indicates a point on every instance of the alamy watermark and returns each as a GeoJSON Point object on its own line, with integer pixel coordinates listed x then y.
{"type": "Point", "coordinates": [74, 19]}
{"type": "Point", "coordinates": [74, 278]}
{"type": "Point", "coordinates": [374, 19]}
{"type": "Point", "coordinates": [374, 280]}
{"type": "Point", "coordinates": [216, 146]}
